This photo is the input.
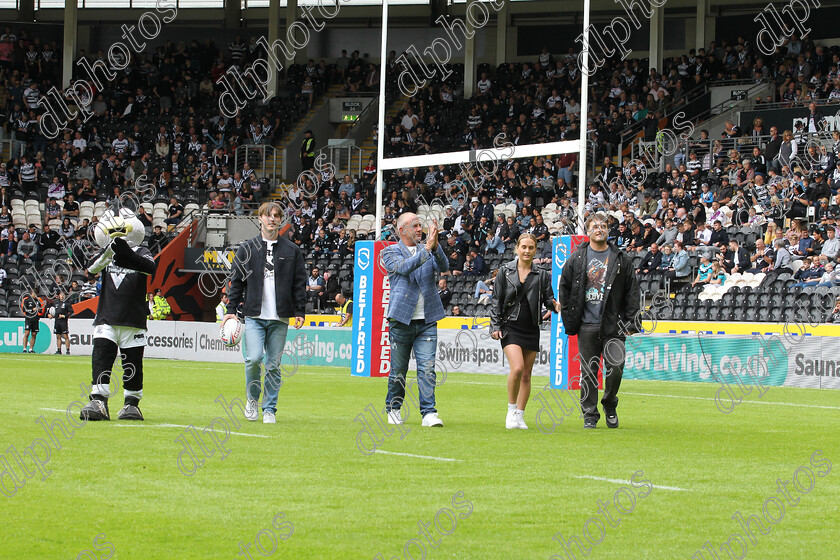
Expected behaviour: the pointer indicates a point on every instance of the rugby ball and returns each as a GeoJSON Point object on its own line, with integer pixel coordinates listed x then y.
{"type": "Point", "coordinates": [231, 332]}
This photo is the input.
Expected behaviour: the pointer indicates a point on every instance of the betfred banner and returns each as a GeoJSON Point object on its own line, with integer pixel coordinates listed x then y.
{"type": "Point", "coordinates": [564, 371]}
{"type": "Point", "coordinates": [371, 350]}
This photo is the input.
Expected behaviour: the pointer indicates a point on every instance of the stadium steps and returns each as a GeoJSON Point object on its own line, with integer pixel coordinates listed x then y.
{"type": "Point", "coordinates": [300, 126]}
{"type": "Point", "coordinates": [303, 124]}
{"type": "Point", "coordinates": [369, 146]}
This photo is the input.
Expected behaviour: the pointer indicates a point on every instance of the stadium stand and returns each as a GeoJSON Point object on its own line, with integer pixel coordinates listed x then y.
{"type": "Point", "coordinates": [160, 118]}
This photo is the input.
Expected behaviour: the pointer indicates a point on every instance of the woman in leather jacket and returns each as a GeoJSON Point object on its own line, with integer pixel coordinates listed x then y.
{"type": "Point", "coordinates": [520, 291]}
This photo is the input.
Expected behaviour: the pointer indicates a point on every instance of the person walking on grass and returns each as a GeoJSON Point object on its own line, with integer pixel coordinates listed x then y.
{"type": "Point", "coordinates": [413, 312]}
{"type": "Point", "coordinates": [269, 276]}
{"type": "Point", "coordinates": [521, 289]}
{"type": "Point", "coordinates": [599, 293]}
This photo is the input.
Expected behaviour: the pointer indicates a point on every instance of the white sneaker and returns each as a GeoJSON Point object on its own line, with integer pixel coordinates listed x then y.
{"type": "Point", "coordinates": [252, 411]}
{"type": "Point", "coordinates": [431, 420]}
{"type": "Point", "coordinates": [520, 420]}
{"type": "Point", "coordinates": [268, 417]}
{"type": "Point", "coordinates": [511, 422]}
{"type": "Point", "coordinates": [394, 417]}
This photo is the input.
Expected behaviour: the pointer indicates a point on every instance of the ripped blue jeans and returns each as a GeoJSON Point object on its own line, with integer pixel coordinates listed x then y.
{"type": "Point", "coordinates": [422, 338]}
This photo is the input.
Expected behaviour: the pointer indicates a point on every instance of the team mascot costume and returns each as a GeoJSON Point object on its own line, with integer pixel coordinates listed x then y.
{"type": "Point", "coordinates": [120, 323]}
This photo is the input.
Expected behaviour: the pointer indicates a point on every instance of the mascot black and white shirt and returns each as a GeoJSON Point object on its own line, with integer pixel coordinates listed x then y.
{"type": "Point", "coordinates": [122, 298]}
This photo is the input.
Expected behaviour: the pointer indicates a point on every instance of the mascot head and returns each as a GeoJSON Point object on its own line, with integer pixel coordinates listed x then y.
{"type": "Point", "coordinates": [126, 221]}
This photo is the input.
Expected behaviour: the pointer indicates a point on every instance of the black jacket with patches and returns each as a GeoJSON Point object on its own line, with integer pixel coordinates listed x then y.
{"type": "Point", "coordinates": [621, 296]}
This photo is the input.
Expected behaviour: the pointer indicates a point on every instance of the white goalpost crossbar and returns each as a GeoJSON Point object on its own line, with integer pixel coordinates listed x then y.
{"type": "Point", "coordinates": [492, 154]}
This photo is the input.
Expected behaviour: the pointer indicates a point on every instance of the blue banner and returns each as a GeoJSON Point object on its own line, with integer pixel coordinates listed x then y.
{"type": "Point", "coordinates": [559, 368]}
{"type": "Point", "coordinates": [360, 360]}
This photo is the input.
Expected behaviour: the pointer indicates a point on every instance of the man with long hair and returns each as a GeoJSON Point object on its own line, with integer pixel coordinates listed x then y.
{"type": "Point", "coordinates": [599, 294]}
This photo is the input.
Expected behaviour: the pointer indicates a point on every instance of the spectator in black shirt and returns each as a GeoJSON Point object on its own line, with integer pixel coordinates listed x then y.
{"type": "Point", "coordinates": [651, 260]}
{"type": "Point", "coordinates": [48, 239]}
{"type": "Point", "coordinates": [739, 254]}
{"type": "Point", "coordinates": [444, 292]}
{"type": "Point", "coordinates": [176, 212]}
{"type": "Point", "coordinates": [541, 230]}
{"type": "Point", "coordinates": [71, 209]}
{"type": "Point", "coordinates": [771, 149]}
{"type": "Point", "coordinates": [819, 189]}
{"type": "Point", "coordinates": [512, 231]}
{"type": "Point", "coordinates": [157, 240]}
{"type": "Point", "coordinates": [720, 238]}
{"type": "Point", "coordinates": [698, 210]}
{"type": "Point", "coordinates": [143, 217]}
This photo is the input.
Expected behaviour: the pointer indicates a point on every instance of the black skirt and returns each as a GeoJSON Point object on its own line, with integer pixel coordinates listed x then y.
{"type": "Point", "coordinates": [523, 332]}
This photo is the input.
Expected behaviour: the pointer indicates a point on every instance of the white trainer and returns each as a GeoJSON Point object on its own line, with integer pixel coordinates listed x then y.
{"type": "Point", "coordinates": [252, 411]}
{"type": "Point", "coordinates": [394, 417]}
{"type": "Point", "coordinates": [520, 420]}
{"type": "Point", "coordinates": [511, 422]}
{"type": "Point", "coordinates": [431, 420]}
{"type": "Point", "coordinates": [268, 417]}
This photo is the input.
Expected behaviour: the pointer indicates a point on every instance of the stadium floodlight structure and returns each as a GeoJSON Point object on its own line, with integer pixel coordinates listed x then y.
{"type": "Point", "coordinates": [472, 156]}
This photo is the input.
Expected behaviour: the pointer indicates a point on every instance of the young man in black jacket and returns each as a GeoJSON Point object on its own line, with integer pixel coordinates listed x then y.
{"type": "Point", "coordinates": [269, 276]}
{"type": "Point", "coordinates": [599, 295]}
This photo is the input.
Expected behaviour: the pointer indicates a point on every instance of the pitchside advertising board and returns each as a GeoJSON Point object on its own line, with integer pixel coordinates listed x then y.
{"type": "Point", "coordinates": [564, 370]}
{"type": "Point", "coordinates": [189, 340]}
{"type": "Point", "coordinates": [371, 355]}
{"type": "Point", "coordinates": [697, 356]}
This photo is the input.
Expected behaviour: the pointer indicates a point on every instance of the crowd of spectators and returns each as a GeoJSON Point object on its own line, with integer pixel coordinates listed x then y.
{"type": "Point", "coordinates": [703, 218]}
{"type": "Point", "coordinates": [160, 118]}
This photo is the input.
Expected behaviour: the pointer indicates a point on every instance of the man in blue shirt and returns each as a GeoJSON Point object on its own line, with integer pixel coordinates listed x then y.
{"type": "Point", "coordinates": [413, 311]}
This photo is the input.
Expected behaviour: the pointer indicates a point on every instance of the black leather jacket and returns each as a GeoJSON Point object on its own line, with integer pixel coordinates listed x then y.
{"type": "Point", "coordinates": [505, 305]}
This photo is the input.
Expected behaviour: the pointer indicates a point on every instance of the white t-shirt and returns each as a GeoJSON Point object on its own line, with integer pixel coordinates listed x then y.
{"type": "Point", "coordinates": [419, 309]}
{"type": "Point", "coordinates": [408, 122]}
{"type": "Point", "coordinates": [268, 310]}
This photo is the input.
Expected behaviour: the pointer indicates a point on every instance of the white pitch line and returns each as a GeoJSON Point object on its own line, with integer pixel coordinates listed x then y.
{"type": "Point", "coordinates": [618, 481]}
{"type": "Point", "coordinates": [161, 425]}
{"type": "Point", "coordinates": [416, 456]}
{"type": "Point", "coordinates": [750, 402]}
{"type": "Point", "coordinates": [179, 426]}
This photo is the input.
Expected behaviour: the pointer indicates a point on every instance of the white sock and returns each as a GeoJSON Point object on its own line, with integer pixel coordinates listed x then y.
{"type": "Point", "coordinates": [511, 407]}
{"type": "Point", "coordinates": [521, 412]}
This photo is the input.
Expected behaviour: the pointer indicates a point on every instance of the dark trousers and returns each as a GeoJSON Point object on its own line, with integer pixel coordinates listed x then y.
{"type": "Point", "coordinates": [591, 348]}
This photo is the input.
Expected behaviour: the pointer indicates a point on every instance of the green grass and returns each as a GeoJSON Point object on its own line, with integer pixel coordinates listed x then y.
{"type": "Point", "coordinates": [124, 481]}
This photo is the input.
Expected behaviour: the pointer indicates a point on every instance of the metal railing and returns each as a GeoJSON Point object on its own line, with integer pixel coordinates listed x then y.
{"type": "Point", "coordinates": [259, 153]}
{"type": "Point", "coordinates": [652, 156]}
{"type": "Point", "coordinates": [345, 155]}
{"type": "Point", "coordinates": [697, 108]}
{"type": "Point", "coordinates": [14, 148]}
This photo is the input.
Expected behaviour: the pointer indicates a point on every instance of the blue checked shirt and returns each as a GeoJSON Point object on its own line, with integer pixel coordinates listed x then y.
{"type": "Point", "coordinates": [409, 276]}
